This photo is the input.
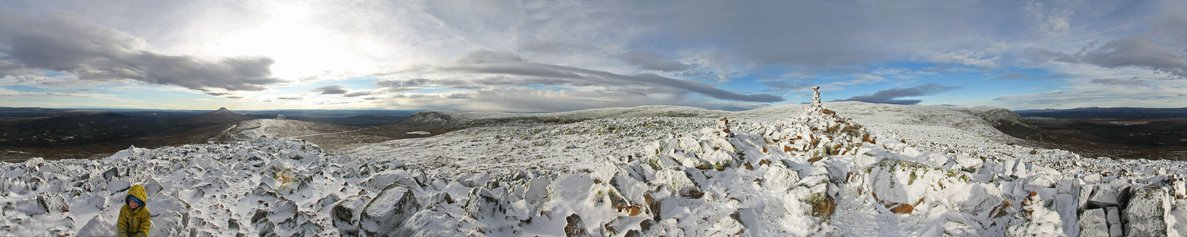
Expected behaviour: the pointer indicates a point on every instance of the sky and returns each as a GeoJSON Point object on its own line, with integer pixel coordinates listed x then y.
{"type": "Point", "coordinates": [536, 56]}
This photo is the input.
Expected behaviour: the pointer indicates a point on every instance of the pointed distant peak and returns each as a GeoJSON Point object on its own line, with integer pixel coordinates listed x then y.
{"type": "Point", "coordinates": [222, 110]}
{"type": "Point", "coordinates": [221, 115]}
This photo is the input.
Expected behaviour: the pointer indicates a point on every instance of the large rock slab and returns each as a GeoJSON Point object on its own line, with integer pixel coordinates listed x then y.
{"type": "Point", "coordinates": [1094, 224]}
{"type": "Point", "coordinates": [1103, 196]}
{"type": "Point", "coordinates": [1113, 217]}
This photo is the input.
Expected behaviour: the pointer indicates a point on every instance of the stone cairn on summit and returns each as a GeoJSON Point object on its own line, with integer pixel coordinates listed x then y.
{"type": "Point", "coordinates": [816, 99]}
{"type": "Point", "coordinates": [817, 106]}
{"type": "Point", "coordinates": [817, 133]}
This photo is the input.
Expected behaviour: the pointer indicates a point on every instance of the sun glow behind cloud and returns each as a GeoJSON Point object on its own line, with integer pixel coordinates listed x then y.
{"type": "Point", "coordinates": [291, 34]}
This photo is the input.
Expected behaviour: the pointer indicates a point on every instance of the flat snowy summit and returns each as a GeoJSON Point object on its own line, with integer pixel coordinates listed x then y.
{"type": "Point", "coordinates": [837, 169]}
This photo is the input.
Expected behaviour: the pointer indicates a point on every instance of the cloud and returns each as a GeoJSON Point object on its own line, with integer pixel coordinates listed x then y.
{"type": "Point", "coordinates": [289, 98]}
{"type": "Point", "coordinates": [893, 95]}
{"type": "Point", "coordinates": [217, 93]}
{"type": "Point", "coordinates": [526, 100]}
{"type": "Point", "coordinates": [487, 80]}
{"type": "Point", "coordinates": [641, 43]}
{"type": "Point", "coordinates": [483, 68]}
{"type": "Point", "coordinates": [965, 58]}
{"type": "Point", "coordinates": [1153, 96]}
{"type": "Point", "coordinates": [841, 32]}
{"type": "Point", "coordinates": [11, 93]}
{"type": "Point", "coordinates": [61, 43]}
{"type": "Point", "coordinates": [359, 93]}
{"type": "Point", "coordinates": [1139, 52]}
{"type": "Point", "coordinates": [330, 90]}
{"type": "Point", "coordinates": [655, 62]}
{"type": "Point", "coordinates": [1121, 82]}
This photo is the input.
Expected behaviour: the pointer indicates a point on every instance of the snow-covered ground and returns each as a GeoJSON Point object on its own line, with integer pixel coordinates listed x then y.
{"type": "Point", "coordinates": [849, 169]}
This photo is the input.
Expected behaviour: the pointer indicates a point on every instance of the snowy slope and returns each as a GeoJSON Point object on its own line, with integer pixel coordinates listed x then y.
{"type": "Point", "coordinates": [852, 169]}
{"type": "Point", "coordinates": [468, 119]}
{"type": "Point", "coordinates": [329, 136]}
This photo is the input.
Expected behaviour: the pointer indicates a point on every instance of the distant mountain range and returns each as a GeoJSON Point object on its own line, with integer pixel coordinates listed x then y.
{"type": "Point", "coordinates": [1098, 112]}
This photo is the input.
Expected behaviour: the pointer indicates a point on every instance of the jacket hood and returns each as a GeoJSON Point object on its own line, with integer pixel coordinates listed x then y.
{"type": "Point", "coordinates": [138, 192]}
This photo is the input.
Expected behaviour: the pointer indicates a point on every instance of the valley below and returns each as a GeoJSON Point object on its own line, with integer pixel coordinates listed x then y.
{"type": "Point", "coordinates": [1121, 134]}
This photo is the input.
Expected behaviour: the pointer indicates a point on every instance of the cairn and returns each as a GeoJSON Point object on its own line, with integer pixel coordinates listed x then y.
{"type": "Point", "coordinates": [817, 106]}
{"type": "Point", "coordinates": [816, 96]}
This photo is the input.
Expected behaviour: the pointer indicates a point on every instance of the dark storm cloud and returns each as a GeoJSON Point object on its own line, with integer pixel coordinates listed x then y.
{"type": "Point", "coordinates": [893, 95]}
{"type": "Point", "coordinates": [330, 90]}
{"type": "Point", "coordinates": [61, 43]}
{"type": "Point", "coordinates": [511, 70]}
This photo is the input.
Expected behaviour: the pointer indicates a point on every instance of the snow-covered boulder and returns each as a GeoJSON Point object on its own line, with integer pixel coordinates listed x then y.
{"type": "Point", "coordinates": [383, 179]}
{"type": "Point", "coordinates": [1037, 220]}
{"type": "Point", "coordinates": [675, 179]}
{"type": "Point", "coordinates": [118, 185]}
{"type": "Point", "coordinates": [27, 207]}
{"type": "Point", "coordinates": [900, 183]}
{"type": "Point", "coordinates": [97, 226]}
{"type": "Point", "coordinates": [345, 214]}
{"type": "Point", "coordinates": [169, 215]}
{"type": "Point", "coordinates": [111, 173]}
{"type": "Point", "coordinates": [388, 210]}
{"type": "Point", "coordinates": [152, 187]}
{"type": "Point", "coordinates": [53, 203]}
{"type": "Point", "coordinates": [1146, 212]}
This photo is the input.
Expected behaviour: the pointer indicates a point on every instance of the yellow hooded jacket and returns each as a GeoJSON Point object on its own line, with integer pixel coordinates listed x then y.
{"type": "Point", "coordinates": [134, 222]}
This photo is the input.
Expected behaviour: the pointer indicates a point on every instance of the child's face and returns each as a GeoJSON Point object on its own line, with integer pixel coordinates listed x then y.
{"type": "Point", "coordinates": [132, 204]}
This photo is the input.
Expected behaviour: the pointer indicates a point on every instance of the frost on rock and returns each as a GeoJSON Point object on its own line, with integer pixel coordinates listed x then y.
{"type": "Point", "coordinates": [388, 211]}
{"type": "Point", "coordinates": [1036, 219]}
{"type": "Point", "coordinates": [1146, 211]}
{"type": "Point", "coordinates": [807, 172]}
{"type": "Point", "coordinates": [1177, 220]}
{"type": "Point", "coordinates": [97, 226]}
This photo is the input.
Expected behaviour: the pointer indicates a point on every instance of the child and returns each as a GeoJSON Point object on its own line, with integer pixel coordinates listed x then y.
{"type": "Point", "coordinates": [134, 217]}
